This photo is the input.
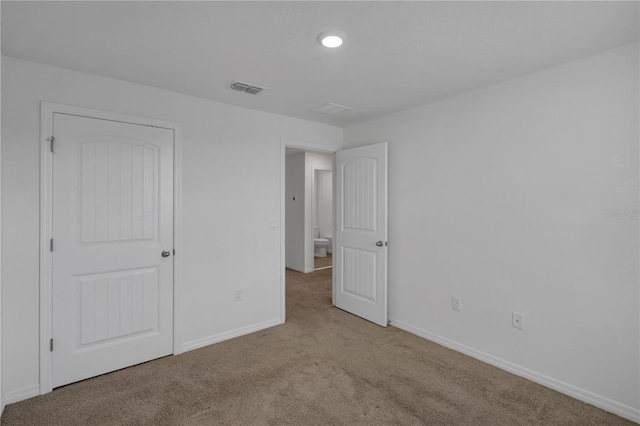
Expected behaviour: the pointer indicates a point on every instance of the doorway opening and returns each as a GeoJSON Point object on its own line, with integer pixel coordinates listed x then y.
{"type": "Point", "coordinates": [359, 276]}
{"type": "Point", "coordinates": [308, 209]}
{"type": "Point", "coordinates": [304, 168]}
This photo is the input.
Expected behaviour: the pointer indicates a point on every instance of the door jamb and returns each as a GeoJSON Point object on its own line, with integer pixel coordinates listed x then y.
{"type": "Point", "coordinates": [284, 144]}
{"type": "Point", "coordinates": [47, 110]}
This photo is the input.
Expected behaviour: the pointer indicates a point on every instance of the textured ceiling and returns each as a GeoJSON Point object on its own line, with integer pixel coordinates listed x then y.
{"type": "Point", "coordinates": [398, 54]}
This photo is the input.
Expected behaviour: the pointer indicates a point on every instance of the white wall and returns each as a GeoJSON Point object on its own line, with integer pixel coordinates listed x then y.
{"type": "Point", "coordinates": [231, 187]}
{"type": "Point", "coordinates": [500, 196]}
{"type": "Point", "coordinates": [294, 211]}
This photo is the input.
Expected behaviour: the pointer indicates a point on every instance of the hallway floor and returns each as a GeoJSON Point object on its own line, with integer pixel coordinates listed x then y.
{"type": "Point", "coordinates": [323, 262]}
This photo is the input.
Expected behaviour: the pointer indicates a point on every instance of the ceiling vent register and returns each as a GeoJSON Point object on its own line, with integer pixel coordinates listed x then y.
{"type": "Point", "coordinates": [331, 108]}
{"type": "Point", "coordinates": [246, 88]}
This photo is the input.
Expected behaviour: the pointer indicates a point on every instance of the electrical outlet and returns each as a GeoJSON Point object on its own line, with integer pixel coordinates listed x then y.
{"type": "Point", "coordinates": [456, 303]}
{"type": "Point", "coordinates": [237, 295]}
{"type": "Point", "coordinates": [517, 320]}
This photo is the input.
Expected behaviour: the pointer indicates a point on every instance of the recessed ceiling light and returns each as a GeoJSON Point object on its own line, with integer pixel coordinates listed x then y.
{"type": "Point", "coordinates": [331, 38]}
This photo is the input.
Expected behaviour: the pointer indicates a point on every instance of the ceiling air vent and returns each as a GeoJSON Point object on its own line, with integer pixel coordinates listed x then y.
{"type": "Point", "coordinates": [332, 108]}
{"type": "Point", "coordinates": [245, 87]}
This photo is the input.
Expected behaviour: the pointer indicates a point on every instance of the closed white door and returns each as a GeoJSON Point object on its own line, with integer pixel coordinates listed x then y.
{"type": "Point", "coordinates": [112, 220]}
{"type": "Point", "coordinates": [360, 253]}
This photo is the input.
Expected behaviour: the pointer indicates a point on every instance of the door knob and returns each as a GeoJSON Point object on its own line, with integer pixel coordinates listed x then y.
{"type": "Point", "coordinates": [379, 243]}
{"type": "Point", "coordinates": [166, 253]}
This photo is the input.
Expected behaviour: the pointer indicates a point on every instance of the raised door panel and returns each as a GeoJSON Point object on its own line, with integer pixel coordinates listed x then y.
{"type": "Point", "coordinates": [359, 189]}
{"type": "Point", "coordinates": [115, 305]}
{"type": "Point", "coordinates": [359, 273]}
{"type": "Point", "coordinates": [118, 183]}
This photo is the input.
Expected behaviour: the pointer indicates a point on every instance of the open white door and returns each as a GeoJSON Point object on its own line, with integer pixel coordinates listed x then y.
{"type": "Point", "coordinates": [360, 252]}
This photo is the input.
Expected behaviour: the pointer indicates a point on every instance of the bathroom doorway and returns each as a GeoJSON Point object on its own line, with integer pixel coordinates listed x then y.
{"type": "Point", "coordinates": [308, 207]}
{"type": "Point", "coordinates": [322, 218]}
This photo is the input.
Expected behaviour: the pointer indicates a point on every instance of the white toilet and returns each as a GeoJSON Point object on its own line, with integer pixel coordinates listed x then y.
{"type": "Point", "coordinates": [320, 245]}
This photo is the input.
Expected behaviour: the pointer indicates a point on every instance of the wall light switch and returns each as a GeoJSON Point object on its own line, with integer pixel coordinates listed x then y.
{"type": "Point", "coordinates": [274, 223]}
{"type": "Point", "coordinates": [456, 303]}
{"type": "Point", "coordinates": [237, 295]}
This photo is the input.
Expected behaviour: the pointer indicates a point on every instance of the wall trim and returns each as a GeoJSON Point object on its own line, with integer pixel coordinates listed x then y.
{"type": "Point", "coordinates": [3, 403]}
{"type": "Point", "coordinates": [293, 268]}
{"type": "Point", "coordinates": [217, 338]}
{"type": "Point", "coordinates": [20, 394]}
{"type": "Point", "coordinates": [622, 410]}
{"type": "Point", "coordinates": [47, 110]}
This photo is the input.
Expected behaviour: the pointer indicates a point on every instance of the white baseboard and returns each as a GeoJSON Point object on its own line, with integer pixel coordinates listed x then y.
{"type": "Point", "coordinates": [34, 390]}
{"type": "Point", "coordinates": [303, 270]}
{"type": "Point", "coordinates": [206, 341]}
{"type": "Point", "coordinates": [295, 268]}
{"type": "Point", "coordinates": [20, 394]}
{"type": "Point", "coordinates": [622, 410]}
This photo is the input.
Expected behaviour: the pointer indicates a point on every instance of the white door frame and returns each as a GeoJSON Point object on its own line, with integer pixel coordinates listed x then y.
{"type": "Point", "coordinates": [47, 110]}
{"type": "Point", "coordinates": [284, 144]}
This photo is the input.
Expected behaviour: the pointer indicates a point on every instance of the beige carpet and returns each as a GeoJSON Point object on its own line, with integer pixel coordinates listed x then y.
{"type": "Point", "coordinates": [323, 367]}
{"type": "Point", "coordinates": [323, 262]}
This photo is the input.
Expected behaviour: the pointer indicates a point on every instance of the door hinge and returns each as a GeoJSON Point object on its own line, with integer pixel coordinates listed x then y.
{"type": "Point", "coordinates": [51, 140]}
{"type": "Point", "coordinates": [50, 345]}
{"type": "Point", "coordinates": [174, 252]}
{"type": "Point", "coordinates": [51, 244]}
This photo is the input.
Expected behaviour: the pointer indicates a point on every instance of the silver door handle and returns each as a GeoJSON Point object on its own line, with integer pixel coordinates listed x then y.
{"type": "Point", "coordinates": [166, 253]}
{"type": "Point", "coordinates": [379, 243]}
